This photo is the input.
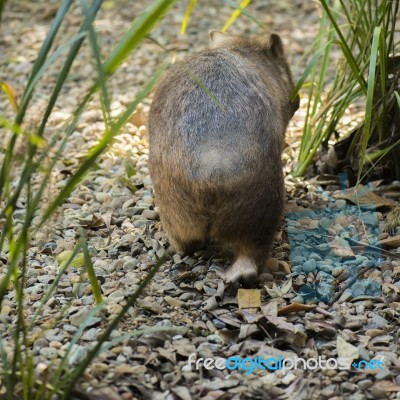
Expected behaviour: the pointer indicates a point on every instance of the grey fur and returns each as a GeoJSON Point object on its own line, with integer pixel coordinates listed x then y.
{"type": "Point", "coordinates": [217, 173]}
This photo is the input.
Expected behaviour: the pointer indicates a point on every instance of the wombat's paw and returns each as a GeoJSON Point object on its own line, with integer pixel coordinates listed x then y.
{"type": "Point", "coordinates": [243, 271]}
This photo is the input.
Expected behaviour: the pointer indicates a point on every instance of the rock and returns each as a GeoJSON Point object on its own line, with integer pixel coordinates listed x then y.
{"type": "Point", "coordinates": [81, 317]}
{"type": "Point", "coordinates": [48, 352]}
{"type": "Point", "coordinates": [173, 301]}
{"type": "Point", "coordinates": [309, 266]}
{"type": "Point", "coordinates": [150, 214]}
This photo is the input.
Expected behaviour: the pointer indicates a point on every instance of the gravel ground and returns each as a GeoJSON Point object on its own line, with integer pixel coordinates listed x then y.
{"type": "Point", "coordinates": [187, 296]}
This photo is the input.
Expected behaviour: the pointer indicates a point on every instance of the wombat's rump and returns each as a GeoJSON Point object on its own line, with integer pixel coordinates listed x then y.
{"type": "Point", "coordinates": [216, 129]}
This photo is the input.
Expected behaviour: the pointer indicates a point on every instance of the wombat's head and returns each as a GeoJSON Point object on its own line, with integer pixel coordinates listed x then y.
{"type": "Point", "coordinates": [270, 47]}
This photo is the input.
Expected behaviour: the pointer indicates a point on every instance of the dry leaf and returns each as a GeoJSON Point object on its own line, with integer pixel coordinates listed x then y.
{"type": "Point", "coordinates": [247, 330]}
{"type": "Point", "coordinates": [321, 327]}
{"type": "Point", "coordinates": [271, 308]}
{"type": "Point", "coordinates": [106, 217]}
{"type": "Point", "coordinates": [291, 333]}
{"type": "Point", "coordinates": [182, 392]}
{"type": "Point", "coordinates": [346, 350]}
{"type": "Point", "coordinates": [386, 386]}
{"type": "Point", "coordinates": [362, 195]}
{"type": "Point", "coordinates": [249, 316]}
{"type": "Point", "coordinates": [9, 91]}
{"type": "Point", "coordinates": [226, 317]}
{"type": "Point", "coordinates": [340, 247]}
{"type": "Point", "coordinates": [281, 323]}
{"type": "Point", "coordinates": [77, 262]}
{"type": "Point", "coordinates": [276, 291]}
{"type": "Point", "coordinates": [295, 307]}
{"type": "Point", "coordinates": [211, 304]}
{"type": "Point", "coordinates": [174, 302]}
{"type": "Point", "coordinates": [105, 393]}
{"type": "Point", "coordinates": [249, 298]}
{"type": "Point", "coordinates": [390, 243]}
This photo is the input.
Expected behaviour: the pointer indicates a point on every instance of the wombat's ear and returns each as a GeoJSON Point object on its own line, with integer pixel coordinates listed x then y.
{"type": "Point", "coordinates": [218, 39]}
{"type": "Point", "coordinates": [275, 45]}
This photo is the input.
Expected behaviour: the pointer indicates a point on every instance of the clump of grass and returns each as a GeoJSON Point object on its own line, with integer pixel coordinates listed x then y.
{"type": "Point", "coordinates": [18, 374]}
{"type": "Point", "coordinates": [366, 73]}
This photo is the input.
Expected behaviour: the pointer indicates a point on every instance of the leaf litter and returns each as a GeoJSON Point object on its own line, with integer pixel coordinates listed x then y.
{"type": "Point", "coordinates": [285, 317]}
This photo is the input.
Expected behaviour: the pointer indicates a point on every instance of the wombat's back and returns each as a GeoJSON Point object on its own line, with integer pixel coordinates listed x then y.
{"type": "Point", "coordinates": [216, 114]}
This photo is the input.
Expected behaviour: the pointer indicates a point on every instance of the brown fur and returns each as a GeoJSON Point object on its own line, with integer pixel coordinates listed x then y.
{"type": "Point", "coordinates": [216, 163]}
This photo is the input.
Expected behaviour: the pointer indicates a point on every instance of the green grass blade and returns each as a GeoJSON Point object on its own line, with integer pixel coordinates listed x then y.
{"type": "Point", "coordinates": [204, 88]}
{"type": "Point", "coordinates": [139, 29]}
{"type": "Point", "coordinates": [397, 98]}
{"type": "Point", "coordinates": [104, 97]}
{"type": "Point", "coordinates": [6, 368]}
{"type": "Point", "coordinates": [59, 83]}
{"type": "Point", "coordinates": [345, 48]}
{"type": "Point", "coordinates": [44, 50]}
{"type": "Point", "coordinates": [103, 144]}
{"type": "Point", "coordinates": [50, 60]}
{"type": "Point", "coordinates": [68, 63]}
{"type": "Point", "coordinates": [56, 377]}
{"type": "Point", "coordinates": [131, 300]}
{"type": "Point", "coordinates": [63, 267]}
{"type": "Point", "coordinates": [370, 98]}
{"type": "Point", "coordinates": [311, 64]}
{"type": "Point", "coordinates": [91, 273]}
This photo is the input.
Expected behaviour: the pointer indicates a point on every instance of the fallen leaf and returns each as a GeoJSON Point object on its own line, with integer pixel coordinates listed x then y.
{"type": "Point", "coordinates": [174, 302]}
{"type": "Point", "coordinates": [246, 330]}
{"type": "Point", "coordinates": [286, 330]}
{"type": "Point", "coordinates": [77, 262]}
{"type": "Point", "coordinates": [295, 308]}
{"type": "Point", "coordinates": [9, 91]}
{"type": "Point", "coordinates": [249, 298]}
{"type": "Point", "coordinates": [386, 386]}
{"type": "Point", "coordinates": [227, 317]}
{"type": "Point", "coordinates": [128, 184]}
{"type": "Point", "coordinates": [129, 168]}
{"type": "Point", "coordinates": [106, 217]}
{"type": "Point", "coordinates": [271, 308]}
{"type": "Point", "coordinates": [248, 316]}
{"type": "Point", "coordinates": [391, 242]}
{"type": "Point", "coordinates": [105, 393]}
{"type": "Point", "coordinates": [321, 327]}
{"type": "Point", "coordinates": [211, 304]}
{"type": "Point", "coordinates": [364, 196]}
{"type": "Point", "coordinates": [281, 323]}
{"type": "Point", "coordinates": [277, 291]}
{"type": "Point", "coordinates": [340, 247]}
{"type": "Point", "coordinates": [182, 392]}
{"type": "Point", "coordinates": [346, 350]}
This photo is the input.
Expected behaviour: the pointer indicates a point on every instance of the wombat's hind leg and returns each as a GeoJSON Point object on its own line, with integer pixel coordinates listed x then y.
{"type": "Point", "coordinates": [250, 261]}
{"type": "Point", "coordinates": [186, 232]}
{"type": "Point", "coordinates": [187, 246]}
{"type": "Point", "coordinates": [244, 271]}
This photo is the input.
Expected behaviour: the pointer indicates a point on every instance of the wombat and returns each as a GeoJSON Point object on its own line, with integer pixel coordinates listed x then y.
{"type": "Point", "coordinates": [216, 132]}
